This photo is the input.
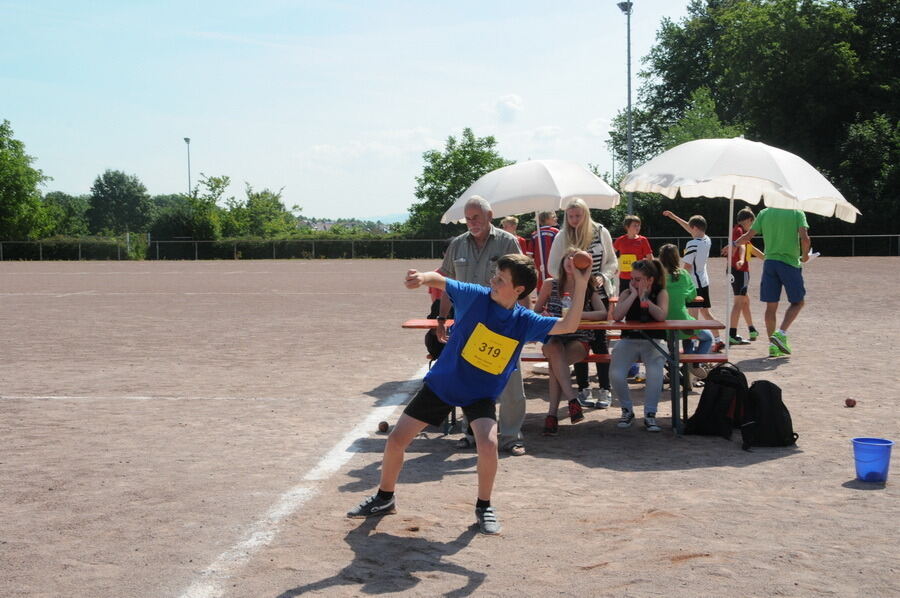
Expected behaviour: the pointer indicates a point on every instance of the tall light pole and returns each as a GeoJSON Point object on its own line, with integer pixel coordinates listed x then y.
{"type": "Point", "coordinates": [187, 141]}
{"type": "Point", "coordinates": [626, 8]}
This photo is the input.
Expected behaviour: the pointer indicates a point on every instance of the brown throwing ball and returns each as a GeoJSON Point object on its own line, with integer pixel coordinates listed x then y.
{"type": "Point", "coordinates": [582, 260]}
{"type": "Point", "coordinates": [850, 402]}
{"type": "Point", "coordinates": [383, 427]}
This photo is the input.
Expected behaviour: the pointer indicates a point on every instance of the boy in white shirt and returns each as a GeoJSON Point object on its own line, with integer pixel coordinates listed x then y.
{"type": "Point", "coordinates": [696, 255]}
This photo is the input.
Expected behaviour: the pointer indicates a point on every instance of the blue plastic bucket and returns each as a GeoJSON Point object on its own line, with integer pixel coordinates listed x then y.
{"type": "Point", "coordinates": [873, 458]}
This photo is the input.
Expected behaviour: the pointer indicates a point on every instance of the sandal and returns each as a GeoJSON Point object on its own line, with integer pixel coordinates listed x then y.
{"type": "Point", "coordinates": [516, 449]}
{"type": "Point", "coordinates": [465, 443]}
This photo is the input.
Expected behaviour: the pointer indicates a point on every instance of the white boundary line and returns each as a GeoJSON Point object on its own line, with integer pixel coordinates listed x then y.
{"type": "Point", "coordinates": [262, 532]}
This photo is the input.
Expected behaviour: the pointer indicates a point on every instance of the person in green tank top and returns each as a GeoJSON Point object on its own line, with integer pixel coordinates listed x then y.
{"type": "Point", "coordinates": [786, 237]}
{"type": "Point", "coordinates": [681, 288]}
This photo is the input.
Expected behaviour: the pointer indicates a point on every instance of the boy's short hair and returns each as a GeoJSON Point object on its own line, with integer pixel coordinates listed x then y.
{"type": "Point", "coordinates": [521, 270]}
{"type": "Point", "coordinates": [745, 214]}
{"type": "Point", "coordinates": [698, 222]}
{"type": "Point", "coordinates": [545, 217]}
{"type": "Point", "coordinates": [510, 219]}
{"type": "Point", "coordinates": [630, 219]}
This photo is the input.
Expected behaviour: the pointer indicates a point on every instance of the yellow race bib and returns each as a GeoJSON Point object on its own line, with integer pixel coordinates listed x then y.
{"type": "Point", "coordinates": [488, 350]}
{"type": "Point", "coordinates": [625, 261]}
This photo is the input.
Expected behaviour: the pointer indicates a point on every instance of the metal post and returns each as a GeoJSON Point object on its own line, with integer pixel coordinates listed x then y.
{"type": "Point", "coordinates": [195, 250]}
{"type": "Point", "coordinates": [187, 141]}
{"type": "Point", "coordinates": [626, 8]}
{"type": "Point", "coordinates": [79, 252]}
{"type": "Point", "coordinates": [41, 250]}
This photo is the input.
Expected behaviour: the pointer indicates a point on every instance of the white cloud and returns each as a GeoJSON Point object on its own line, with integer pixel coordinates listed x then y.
{"type": "Point", "coordinates": [508, 107]}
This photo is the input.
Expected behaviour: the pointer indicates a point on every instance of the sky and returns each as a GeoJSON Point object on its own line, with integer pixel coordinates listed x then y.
{"type": "Point", "coordinates": [332, 101]}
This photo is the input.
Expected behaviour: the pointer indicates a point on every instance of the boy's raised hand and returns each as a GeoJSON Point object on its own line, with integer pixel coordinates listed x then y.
{"type": "Point", "coordinates": [414, 279]}
{"type": "Point", "coordinates": [667, 214]}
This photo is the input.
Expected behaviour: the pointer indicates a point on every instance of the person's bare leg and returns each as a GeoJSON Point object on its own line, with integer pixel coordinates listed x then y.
{"type": "Point", "coordinates": [791, 314]}
{"type": "Point", "coordinates": [485, 430]}
{"type": "Point", "coordinates": [745, 310]}
{"type": "Point", "coordinates": [771, 313]}
{"type": "Point", "coordinates": [553, 352]}
{"type": "Point", "coordinates": [406, 429]}
{"type": "Point", "coordinates": [736, 312]}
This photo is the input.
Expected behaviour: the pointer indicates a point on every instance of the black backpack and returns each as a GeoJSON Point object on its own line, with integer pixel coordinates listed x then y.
{"type": "Point", "coordinates": [721, 405]}
{"type": "Point", "coordinates": [767, 421]}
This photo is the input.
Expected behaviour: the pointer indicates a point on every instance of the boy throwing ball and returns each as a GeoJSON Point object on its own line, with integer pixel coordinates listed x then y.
{"type": "Point", "coordinates": [489, 332]}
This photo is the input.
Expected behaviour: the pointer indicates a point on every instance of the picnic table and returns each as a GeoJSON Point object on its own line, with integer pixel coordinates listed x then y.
{"type": "Point", "coordinates": [671, 352]}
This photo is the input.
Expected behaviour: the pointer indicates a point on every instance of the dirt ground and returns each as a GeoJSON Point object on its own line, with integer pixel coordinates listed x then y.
{"type": "Point", "coordinates": [200, 429]}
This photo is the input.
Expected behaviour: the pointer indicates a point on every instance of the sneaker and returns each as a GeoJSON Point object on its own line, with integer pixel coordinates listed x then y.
{"type": "Point", "coordinates": [700, 371]}
{"type": "Point", "coordinates": [487, 520]}
{"type": "Point", "coordinates": [626, 419]}
{"type": "Point", "coordinates": [718, 346]}
{"type": "Point", "coordinates": [639, 379]}
{"type": "Point", "coordinates": [779, 339]}
{"type": "Point", "coordinates": [373, 507]}
{"type": "Point", "coordinates": [551, 425]}
{"type": "Point", "coordinates": [774, 351]}
{"type": "Point", "coordinates": [650, 423]}
{"type": "Point", "coordinates": [737, 339]}
{"type": "Point", "coordinates": [575, 412]}
{"type": "Point", "coordinates": [633, 370]}
{"type": "Point", "coordinates": [604, 399]}
{"type": "Point", "coordinates": [754, 334]}
{"type": "Point", "coordinates": [584, 397]}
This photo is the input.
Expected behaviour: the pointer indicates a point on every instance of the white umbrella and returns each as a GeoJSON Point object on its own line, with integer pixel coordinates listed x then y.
{"type": "Point", "coordinates": [740, 169]}
{"type": "Point", "coordinates": [535, 186]}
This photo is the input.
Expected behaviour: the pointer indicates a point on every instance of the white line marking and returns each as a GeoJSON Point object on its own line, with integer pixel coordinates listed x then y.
{"type": "Point", "coordinates": [262, 532]}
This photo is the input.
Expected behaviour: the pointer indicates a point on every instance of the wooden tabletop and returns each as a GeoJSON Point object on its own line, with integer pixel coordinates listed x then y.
{"type": "Point", "coordinates": [607, 325]}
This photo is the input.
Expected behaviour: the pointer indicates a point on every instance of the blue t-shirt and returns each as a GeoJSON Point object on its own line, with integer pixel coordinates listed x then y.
{"type": "Point", "coordinates": [484, 345]}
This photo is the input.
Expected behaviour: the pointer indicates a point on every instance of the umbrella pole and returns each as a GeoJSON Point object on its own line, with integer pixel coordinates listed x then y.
{"type": "Point", "coordinates": [540, 246]}
{"type": "Point", "coordinates": [729, 274]}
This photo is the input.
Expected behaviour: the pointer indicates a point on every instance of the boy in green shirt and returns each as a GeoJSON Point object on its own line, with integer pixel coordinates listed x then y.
{"type": "Point", "coordinates": [786, 237]}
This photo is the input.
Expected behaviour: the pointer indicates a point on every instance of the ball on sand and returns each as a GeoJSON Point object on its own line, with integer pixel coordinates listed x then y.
{"type": "Point", "coordinates": [850, 402]}
{"type": "Point", "coordinates": [582, 260]}
{"type": "Point", "coordinates": [383, 427]}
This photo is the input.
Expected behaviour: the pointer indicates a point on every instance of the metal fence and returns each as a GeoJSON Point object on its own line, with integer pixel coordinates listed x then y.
{"type": "Point", "coordinates": [828, 245]}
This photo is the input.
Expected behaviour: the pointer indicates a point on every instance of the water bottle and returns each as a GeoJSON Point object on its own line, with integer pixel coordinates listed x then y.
{"type": "Point", "coordinates": [566, 303]}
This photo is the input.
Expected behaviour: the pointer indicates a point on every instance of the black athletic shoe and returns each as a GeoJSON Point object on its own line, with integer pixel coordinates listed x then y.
{"type": "Point", "coordinates": [487, 520]}
{"type": "Point", "coordinates": [373, 507]}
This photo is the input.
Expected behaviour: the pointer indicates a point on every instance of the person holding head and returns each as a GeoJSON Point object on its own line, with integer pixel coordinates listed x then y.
{"type": "Point", "coordinates": [645, 299]}
{"type": "Point", "coordinates": [539, 246]}
{"type": "Point", "coordinates": [786, 241]}
{"type": "Point", "coordinates": [511, 224]}
{"type": "Point", "coordinates": [563, 350]}
{"type": "Point", "coordinates": [740, 278]}
{"type": "Point", "coordinates": [481, 355]}
{"type": "Point", "coordinates": [696, 256]}
{"type": "Point", "coordinates": [581, 232]}
{"type": "Point", "coordinates": [472, 257]}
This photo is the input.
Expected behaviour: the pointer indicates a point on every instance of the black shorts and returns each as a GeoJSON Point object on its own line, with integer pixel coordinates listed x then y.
{"type": "Point", "coordinates": [429, 408]}
{"type": "Point", "coordinates": [702, 293]}
{"type": "Point", "coordinates": [740, 282]}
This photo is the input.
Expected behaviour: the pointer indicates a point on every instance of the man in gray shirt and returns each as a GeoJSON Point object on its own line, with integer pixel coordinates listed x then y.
{"type": "Point", "coordinates": [472, 257]}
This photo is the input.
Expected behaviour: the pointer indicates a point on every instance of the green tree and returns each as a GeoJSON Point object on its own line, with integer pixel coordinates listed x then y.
{"type": "Point", "coordinates": [261, 215]}
{"type": "Point", "coordinates": [700, 121]}
{"type": "Point", "coordinates": [197, 216]}
{"type": "Point", "coordinates": [796, 74]}
{"type": "Point", "coordinates": [119, 204]}
{"type": "Point", "coordinates": [66, 214]}
{"type": "Point", "coordinates": [21, 212]}
{"type": "Point", "coordinates": [445, 177]}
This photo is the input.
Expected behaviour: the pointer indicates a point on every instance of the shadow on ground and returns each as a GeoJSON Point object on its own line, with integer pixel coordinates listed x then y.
{"type": "Point", "coordinates": [386, 564]}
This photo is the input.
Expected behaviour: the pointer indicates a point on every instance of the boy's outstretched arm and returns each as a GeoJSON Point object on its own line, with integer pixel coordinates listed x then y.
{"type": "Point", "coordinates": [415, 279]}
{"type": "Point", "coordinates": [573, 317]}
{"type": "Point", "coordinates": [682, 223]}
